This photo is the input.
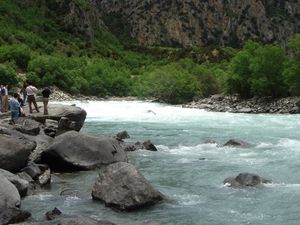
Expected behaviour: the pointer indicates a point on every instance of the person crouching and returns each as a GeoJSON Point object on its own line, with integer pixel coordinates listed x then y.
{"type": "Point", "coordinates": [14, 108]}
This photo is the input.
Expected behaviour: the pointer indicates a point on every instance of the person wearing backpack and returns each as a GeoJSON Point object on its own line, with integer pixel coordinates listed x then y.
{"type": "Point", "coordinates": [46, 93]}
{"type": "Point", "coordinates": [31, 90]}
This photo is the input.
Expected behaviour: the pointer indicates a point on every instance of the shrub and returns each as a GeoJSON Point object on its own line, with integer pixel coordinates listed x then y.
{"type": "Point", "coordinates": [170, 83]}
{"type": "Point", "coordinates": [8, 75]}
{"type": "Point", "coordinates": [21, 54]}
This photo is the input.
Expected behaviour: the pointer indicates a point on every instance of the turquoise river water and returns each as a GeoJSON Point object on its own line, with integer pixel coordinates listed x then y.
{"type": "Point", "coordinates": [187, 169]}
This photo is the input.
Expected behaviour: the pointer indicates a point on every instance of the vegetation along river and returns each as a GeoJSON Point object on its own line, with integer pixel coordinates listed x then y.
{"type": "Point", "coordinates": [190, 166]}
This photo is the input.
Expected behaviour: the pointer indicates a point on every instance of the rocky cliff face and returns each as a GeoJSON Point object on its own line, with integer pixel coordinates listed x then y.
{"type": "Point", "coordinates": [76, 17]}
{"type": "Point", "coordinates": [204, 22]}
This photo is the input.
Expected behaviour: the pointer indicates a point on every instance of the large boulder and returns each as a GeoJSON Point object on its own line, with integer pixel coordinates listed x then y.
{"type": "Point", "coordinates": [21, 184]}
{"type": "Point", "coordinates": [121, 186]}
{"type": "Point", "coordinates": [75, 114]}
{"type": "Point", "coordinates": [9, 195]}
{"type": "Point", "coordinates": [84, 221]}
{"type": "Point", "coordinates": [14, 152]}
{"type": "Point", "coordinates": [75, 151]}
{"type": "Point", "coordinates": [245, 180]}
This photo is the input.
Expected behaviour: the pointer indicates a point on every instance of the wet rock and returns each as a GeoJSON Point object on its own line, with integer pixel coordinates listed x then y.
{"type": "Point", "coordinates": [149, 146]}
{"type": "Point", "coordinates": [53, 214]}
{"type": "Point", "coordinates": [122, 187]}
{"type": "Point", "coordinates": [237, 143]}
{"type": "Point", "coordinates": [75, 151]}
{"type": "Point", "coordinates": [122, 135]}
{"type": "Point", "coordinates": [84, 221]}
{"type": "Point", "coordinates": [21, 184]}
{"type": "Point", "coordinates": [245, 180]}
{"type": "Point", "coordinates": [13, 215]}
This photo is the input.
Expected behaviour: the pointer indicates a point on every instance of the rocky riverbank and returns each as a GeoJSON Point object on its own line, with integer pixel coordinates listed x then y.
{"type": "Point", "coordinates": [234, 104]}
{"type": "Point", "coordinates": [38, 144]}
{"type": "Point", "coordinates": [216, 103]}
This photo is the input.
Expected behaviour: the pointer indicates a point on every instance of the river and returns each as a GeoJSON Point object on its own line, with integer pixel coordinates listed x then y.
{"type": "Point", "coordinates": [190, 166]}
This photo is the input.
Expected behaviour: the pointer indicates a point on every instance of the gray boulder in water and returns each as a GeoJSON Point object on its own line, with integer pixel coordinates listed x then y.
{"type": "Point", "coordinates": [245, 180]}
{"type": "Point", "coordinates": [75, 151]}
{"type": "Point", "coordinates": [121, 186]}
{"type": "Point", "coordinates": [237, 143]}
{"type": "Point", "coordinates": [84, 221]}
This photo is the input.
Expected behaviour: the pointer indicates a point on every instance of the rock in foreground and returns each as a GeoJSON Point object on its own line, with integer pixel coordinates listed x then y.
{"type": "Point", "coordinates": [121, 186]}
{"type": "Point", "coordinates": [14, 152]}
{"type": "Point", "coordinates": [9, 195]}
{"type": "Point", "coordinates": [75, 151]}
{"type": "Point", "coordinates": [245, 180]}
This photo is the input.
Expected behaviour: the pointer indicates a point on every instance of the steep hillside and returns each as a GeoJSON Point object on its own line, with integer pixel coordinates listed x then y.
{"type": "Point", "coordinates": [201, 22]}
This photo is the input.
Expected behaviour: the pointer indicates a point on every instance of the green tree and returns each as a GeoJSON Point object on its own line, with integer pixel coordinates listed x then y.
{"type": "Point", "coordinates": [171, 84]}
{"type": "Point", "coordinates": [267, 72]}
{"type": "Point", "coordinates": [292, 66]}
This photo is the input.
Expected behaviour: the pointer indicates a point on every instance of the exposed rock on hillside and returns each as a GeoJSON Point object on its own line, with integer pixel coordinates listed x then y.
{"type": "Point", "coordinates": [191, 22]}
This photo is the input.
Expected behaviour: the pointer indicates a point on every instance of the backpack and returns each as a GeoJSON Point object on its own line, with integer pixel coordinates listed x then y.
{"type": "Point", "coordinates": [2, 91]}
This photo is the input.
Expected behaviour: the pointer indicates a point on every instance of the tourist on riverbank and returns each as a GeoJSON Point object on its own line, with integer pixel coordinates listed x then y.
{"type": "Point", "coordinates": [14, 108]}
{"type": "Point", "coordinates": [21, 102]}
{"type": "Point", "coordinates": [4, 98]}
{"type": "Point", "coordinates": [31, 91]}
{"type": "Point", "coordinates": [46, 93]}
{"type": "Point", "coordinates": [24, 93]}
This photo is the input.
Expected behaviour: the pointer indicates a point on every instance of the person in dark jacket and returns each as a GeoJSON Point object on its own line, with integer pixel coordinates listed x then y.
{"type": "Point", "coordinates": [46, 93]}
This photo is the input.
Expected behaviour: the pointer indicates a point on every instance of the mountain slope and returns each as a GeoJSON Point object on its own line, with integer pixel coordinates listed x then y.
{"type": "Point", "coordinates": [201, 22]}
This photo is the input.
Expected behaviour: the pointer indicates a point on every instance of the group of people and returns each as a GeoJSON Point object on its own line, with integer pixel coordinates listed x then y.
{"type": "Point", "coordinates": [15, 104]}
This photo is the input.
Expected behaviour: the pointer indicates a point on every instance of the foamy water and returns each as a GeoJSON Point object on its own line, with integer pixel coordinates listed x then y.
{"type": "Point", "coordinates": [191, 164]}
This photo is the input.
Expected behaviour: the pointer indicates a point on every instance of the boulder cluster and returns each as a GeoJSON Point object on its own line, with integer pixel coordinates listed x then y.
{"type": "Point", "coordinates": [38, 144]}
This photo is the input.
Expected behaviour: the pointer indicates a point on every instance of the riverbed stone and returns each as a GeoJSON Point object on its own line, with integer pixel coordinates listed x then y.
{"type": "Point", "coordinates": [123, 187]}
{"type": "Point", "coordinates": [13, 216]}
{"type": "Point", "coordinates": [237, 143]}
{"type": "Point", "coordinates": [81, 220]}
{"type": "Point", "coordinates": [245, 180]}
{"type": "Point", "coordinates": [76, 151]}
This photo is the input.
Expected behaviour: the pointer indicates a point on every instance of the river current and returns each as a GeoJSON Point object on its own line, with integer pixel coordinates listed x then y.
{"type": "Point", "coordinates": [190, 166]}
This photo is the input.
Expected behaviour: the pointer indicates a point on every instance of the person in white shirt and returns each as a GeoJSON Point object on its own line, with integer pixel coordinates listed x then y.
{"type": "Point", "coordinates": [31, 90]}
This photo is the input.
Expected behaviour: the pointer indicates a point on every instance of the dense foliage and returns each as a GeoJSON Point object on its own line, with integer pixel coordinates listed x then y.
{"type": "Point", "coordinates": [34, 44]}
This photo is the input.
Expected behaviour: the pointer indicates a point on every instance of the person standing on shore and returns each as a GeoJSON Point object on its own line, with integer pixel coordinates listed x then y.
{"type": "Point", "coordinates": [46, 93]}
{"type": "Point", "coordinates": [1, 86]}
{"type": "Point", "coordinates": [14, 108]}
{"type": "Point", "coordinates": [24, 93]}
{"type": "Point", "coordinates": [31, 90]}
{"type": "Point", "coordinates": [4, 97]}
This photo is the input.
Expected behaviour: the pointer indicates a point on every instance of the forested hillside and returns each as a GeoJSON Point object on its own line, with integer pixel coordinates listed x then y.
{"type": "Point", "coordinates": [71, 44]}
